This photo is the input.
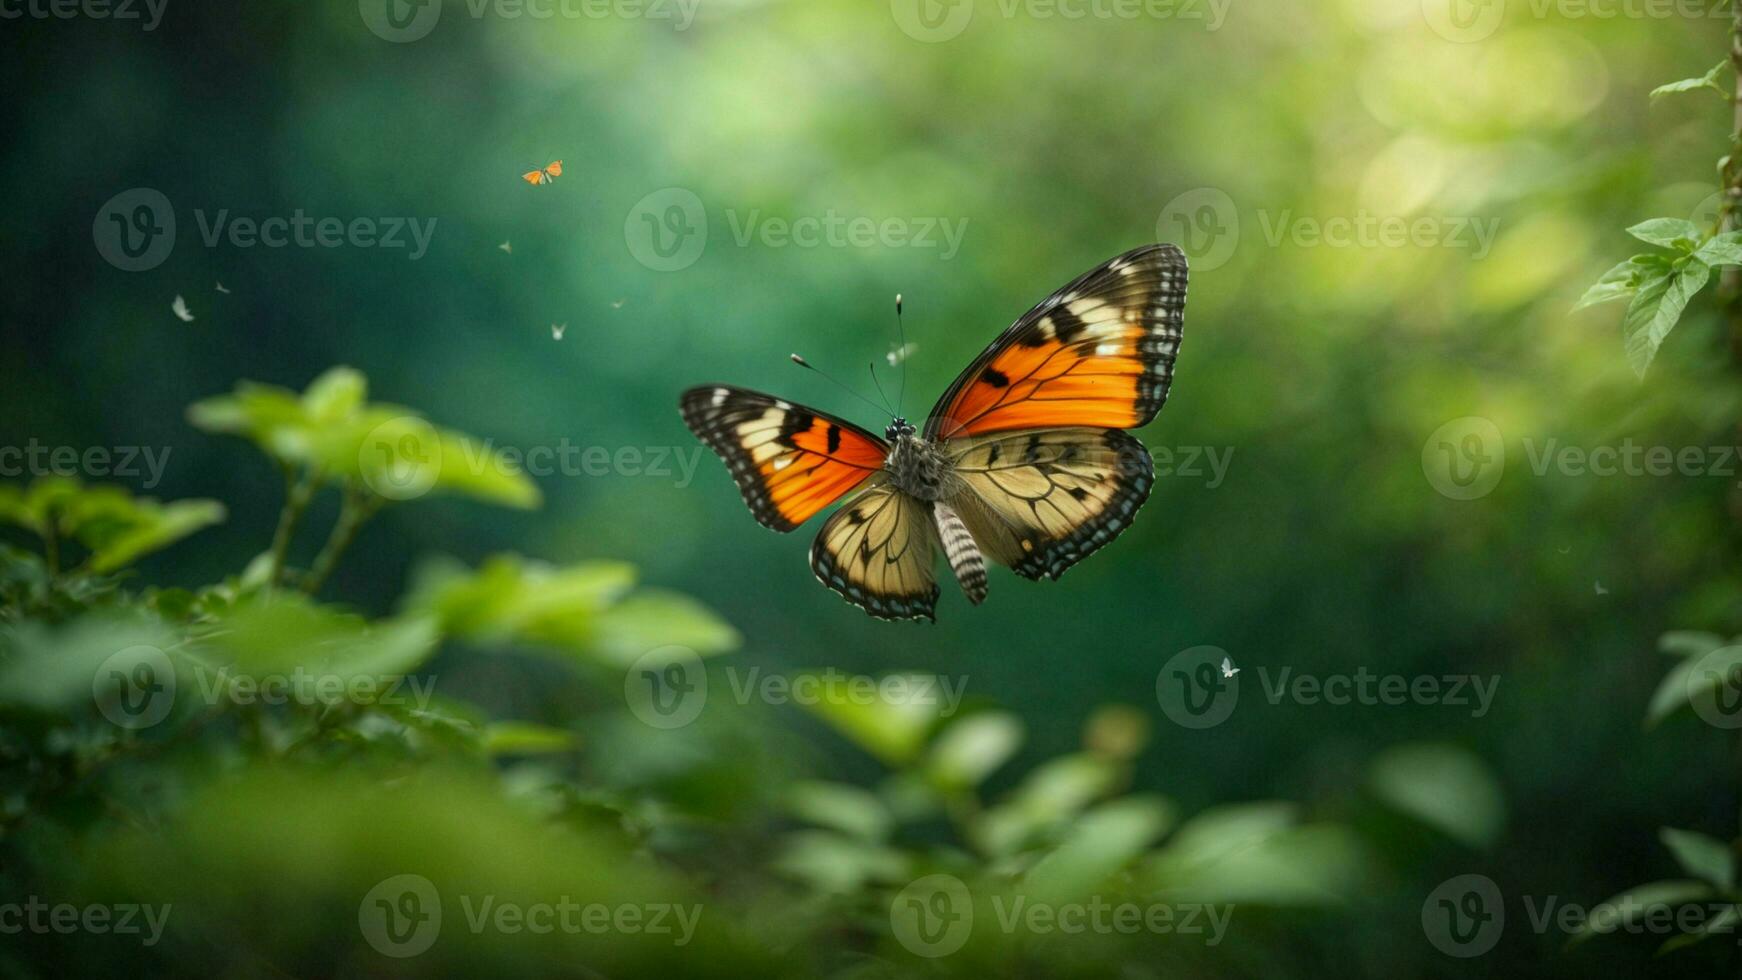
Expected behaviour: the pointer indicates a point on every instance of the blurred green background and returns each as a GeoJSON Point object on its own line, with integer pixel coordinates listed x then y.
{"type": "Point", "coordinates": [1319, 369]}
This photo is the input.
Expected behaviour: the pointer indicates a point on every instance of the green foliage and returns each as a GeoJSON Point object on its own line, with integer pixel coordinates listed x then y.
{"type": "Point", "coordinates": [1707, 81]}
{"type": "Point", "coordinates": [114, 527]}
{"type": "Point", "coordinates": [302, 743]}
{"type": "Point", "coordinates": [1661, 286]}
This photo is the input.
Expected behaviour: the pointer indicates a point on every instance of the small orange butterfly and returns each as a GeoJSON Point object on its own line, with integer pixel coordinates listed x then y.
{"type": "Point", "coordinates": [1025, 461]}
{"type": "Point", "coordinates": [543, 175]}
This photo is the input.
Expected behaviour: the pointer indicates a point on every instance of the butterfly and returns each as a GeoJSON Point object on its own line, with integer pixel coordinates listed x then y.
{"type": "Point", "coordinates": [543, 175]}
{"type": "Point", "coordinates": [180, 308]}
{"type": "Point", "coordinates": [1228, 668]}
{"type": "Point", "coordinates": [1024, 460]}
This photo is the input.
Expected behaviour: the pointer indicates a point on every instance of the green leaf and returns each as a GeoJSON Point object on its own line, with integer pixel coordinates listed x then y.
{"type": "Point", "coordinates": [55, 669]}
{"type": "Point", "coordinates": [510, 599]}
{"type": "Point", "coordinates": [1666, 231]}
{"type": "Point", "coordinates": [1701, 856]}
{"type": "Point", "coordinates": [1656, 307]}
{"type": "Point", "coordinates": [1722, 924]}
{"type": "Point", "coordinates": [1693, 677]}
{"type": "Point", "coordinates": [335, 396]}
{"type": "Point", "coordinates": [1443, 786]}
{"type": "Point", "coordinates": [971, 749]}
{"type": "Point", "coordinates": [334, 432]}
{"type": "Point", "coordinates": [527, 738]}
{"type": "Point", "coordinates": [150, 527]}
{"type": "Point", "coordinates": [1689, 643]}
{"type": "Point", "coordinates": [1632, 904]}
{"type": "Point", "coordinates": [1255, 853]}
{"type": "Point", "coordinates": [1725, 249]}
{"type": "Point", "coordinates": [833, 864]}
{"type": "Point", "coordinates": [291, 636]}
{"type": "Point", "coordinates": [1052, 794]}
{"type": "Point", "coordinates": [1708, 80]}
{"type": "Point", "coordinates": [1614, 284]}
{"type": "Point", "coordinates": [841, 806]}
{"type": "Point", "coordinates": [657, 618]}
{"type": "Point", "coordinates": [893, 730]}
{"type": "Point", "coordinates": [1102, 842]}
{"type": "Point", "coordinates": [37, 508]}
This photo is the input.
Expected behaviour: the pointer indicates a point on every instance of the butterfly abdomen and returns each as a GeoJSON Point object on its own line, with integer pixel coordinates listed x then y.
{"type": "Point", "coordinates": [963, 554]}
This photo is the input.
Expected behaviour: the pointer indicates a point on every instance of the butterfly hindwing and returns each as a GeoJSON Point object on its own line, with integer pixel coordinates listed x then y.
{"type": "Point", "coordinates": [877, 552]}
{"type": "Point", "coordinates": [789, 461]}
{"type": "Point", "coordinates": [1098, 352]}
{"type": "Point", "coordinates": [1041, 501]}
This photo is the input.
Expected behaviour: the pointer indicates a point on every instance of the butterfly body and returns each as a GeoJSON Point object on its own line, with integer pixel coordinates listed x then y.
{"type": "Point", "coordinates": [919, 467]}
{"type": "Point", "coordinates": [1023, 462]}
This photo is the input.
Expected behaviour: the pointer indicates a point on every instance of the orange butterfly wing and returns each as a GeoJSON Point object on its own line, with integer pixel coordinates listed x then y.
{"type": "Point", "coordinates": [1097, 353]}
{"type": "Point", "coordinates": [555, 169]}
{"type": "Point", "coordinates": [789, 461]}
{"type": "Point", "coordinates": [534, 177]}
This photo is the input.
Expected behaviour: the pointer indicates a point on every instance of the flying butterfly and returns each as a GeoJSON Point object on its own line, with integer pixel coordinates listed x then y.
{"type": "Point", "coordinates": [543, 175]}
{"type": "Point", "coordinates": [1024, 460]}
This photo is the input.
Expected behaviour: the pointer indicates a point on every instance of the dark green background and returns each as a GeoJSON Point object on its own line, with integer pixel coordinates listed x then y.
{"type": "Point", "coordinates": [1323, 369]}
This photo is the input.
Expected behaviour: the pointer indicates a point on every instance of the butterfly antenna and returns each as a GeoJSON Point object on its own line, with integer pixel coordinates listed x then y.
{"type": "Point", "coordinates": [902, 357]}
{"type": "Point", "coordinates": [871, 366]}
{"type": "Point", "coordinates": [801, 362]}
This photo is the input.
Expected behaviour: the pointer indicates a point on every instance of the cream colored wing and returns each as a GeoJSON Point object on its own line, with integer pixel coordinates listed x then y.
{"type": "Point", "coordinates": [877, 552]}
{"type": "Point", "coordinates": [1043, 500]}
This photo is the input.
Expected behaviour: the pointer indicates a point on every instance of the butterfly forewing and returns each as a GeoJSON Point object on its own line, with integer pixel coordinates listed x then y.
{"type": "Point", "coordinates": [877, 551]}
{"type": "Point", "coordinates": [1098, 352]}
{"type": "Point", "coordinates": [789, 461]}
